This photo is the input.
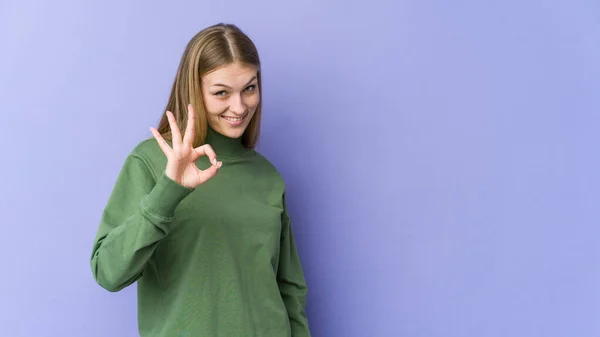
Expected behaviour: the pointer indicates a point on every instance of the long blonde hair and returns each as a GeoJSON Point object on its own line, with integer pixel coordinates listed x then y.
{"type": "Point", "coordinates": [211, 48]}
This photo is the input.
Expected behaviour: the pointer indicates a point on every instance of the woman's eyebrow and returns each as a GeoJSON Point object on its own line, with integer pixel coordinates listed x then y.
{"type": "Point", "coordinates": [226, 86]}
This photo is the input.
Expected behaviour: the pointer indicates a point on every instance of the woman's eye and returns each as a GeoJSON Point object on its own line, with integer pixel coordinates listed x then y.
{"type": "Point", "coordinates": [224, 93]}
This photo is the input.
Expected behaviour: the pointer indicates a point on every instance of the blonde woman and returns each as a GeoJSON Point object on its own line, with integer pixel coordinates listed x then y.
{"type": "Point", "coordinates": [197, 217]}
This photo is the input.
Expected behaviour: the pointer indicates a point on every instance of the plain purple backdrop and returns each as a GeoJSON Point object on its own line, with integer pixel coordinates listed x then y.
{"type": "Point", "coordinates": [441, 157]}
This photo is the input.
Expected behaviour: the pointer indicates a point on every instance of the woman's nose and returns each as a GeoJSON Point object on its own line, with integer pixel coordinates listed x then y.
{"type": "Point", "coordinates": [238, 106]}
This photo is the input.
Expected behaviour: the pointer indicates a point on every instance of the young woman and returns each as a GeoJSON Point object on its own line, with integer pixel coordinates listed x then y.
{"type": "Point", "coordinates": [197, 217]}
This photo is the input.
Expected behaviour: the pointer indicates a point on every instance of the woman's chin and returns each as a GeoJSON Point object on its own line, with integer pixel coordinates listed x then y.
{"type": "Point", "coordinates": [232, 132]}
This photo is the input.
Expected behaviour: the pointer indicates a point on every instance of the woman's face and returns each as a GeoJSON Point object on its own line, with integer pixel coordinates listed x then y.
{"type": "Point", "coordinates": [231, 97]}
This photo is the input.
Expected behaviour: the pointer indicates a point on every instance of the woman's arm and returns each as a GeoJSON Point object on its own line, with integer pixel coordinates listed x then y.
{"type": "Point", "coordinates": [290, 277]}
{"type": "Point", "coordinates": [137, 216]}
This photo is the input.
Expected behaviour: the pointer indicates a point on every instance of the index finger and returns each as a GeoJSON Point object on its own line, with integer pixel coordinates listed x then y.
{"type": "Point", "coordinates": [205, 150]}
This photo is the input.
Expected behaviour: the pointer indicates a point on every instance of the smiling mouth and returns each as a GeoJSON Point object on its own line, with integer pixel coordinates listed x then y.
{"type": "Point", "coordinates": [234, 119]}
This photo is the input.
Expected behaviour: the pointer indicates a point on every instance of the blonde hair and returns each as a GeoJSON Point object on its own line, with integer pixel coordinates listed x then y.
{"type": "Point", "coordinates": [209, 49]}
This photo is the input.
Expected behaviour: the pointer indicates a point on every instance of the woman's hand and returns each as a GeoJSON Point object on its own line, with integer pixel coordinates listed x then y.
{"type": "Point", "coordinates": [181, 159]}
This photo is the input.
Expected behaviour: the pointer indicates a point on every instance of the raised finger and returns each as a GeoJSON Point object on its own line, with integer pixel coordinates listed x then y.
{"type": "Point", "coordinates": [188, 138]}
{"type": "Point", "coordinates": [164, 146]}
{"type": "Point", "coordinates": [175, 134]}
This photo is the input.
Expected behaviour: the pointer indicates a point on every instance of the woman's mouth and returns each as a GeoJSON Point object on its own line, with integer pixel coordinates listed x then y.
{"type": "Point", "coordinates": [234, 121]}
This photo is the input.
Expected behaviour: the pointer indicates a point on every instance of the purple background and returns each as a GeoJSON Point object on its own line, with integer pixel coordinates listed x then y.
{"type": "Point", "coordinates": [441, 157]}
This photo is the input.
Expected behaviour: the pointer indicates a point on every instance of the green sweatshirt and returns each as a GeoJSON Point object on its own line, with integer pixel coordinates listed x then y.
{"type": "Point", "coordinates": [216, 261]}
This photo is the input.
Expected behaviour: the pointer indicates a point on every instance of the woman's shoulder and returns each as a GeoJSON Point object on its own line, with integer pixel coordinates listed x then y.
{"type": "Point", "coordinates": [146, 147]}
{"type": "Point", "coordinates": [266, 168]}
{"type": "Point", "coordinates": [148, 151]}
{"type": "Point", "coordinates": [264, 163]}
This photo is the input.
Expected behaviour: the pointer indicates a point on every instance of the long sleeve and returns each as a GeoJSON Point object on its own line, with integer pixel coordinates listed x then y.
{"type": "Point", "coordinates": [136, 217]}
{"type": "Point", "coordinates": [292, 284]}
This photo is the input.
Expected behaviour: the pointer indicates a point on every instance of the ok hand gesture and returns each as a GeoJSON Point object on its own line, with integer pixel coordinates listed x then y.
{"type": "Point", "coordinates": [181, 159]}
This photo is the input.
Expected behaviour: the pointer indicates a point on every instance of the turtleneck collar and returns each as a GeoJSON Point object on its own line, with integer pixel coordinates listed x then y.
{"type": "Point", "coordinates": [224, 146]}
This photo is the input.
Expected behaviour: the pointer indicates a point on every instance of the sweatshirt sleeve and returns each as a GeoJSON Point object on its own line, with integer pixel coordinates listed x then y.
{"type": "Point", "coordinates": [290, 278]}
{"type": "Point", "coordinates": [137, 216]}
